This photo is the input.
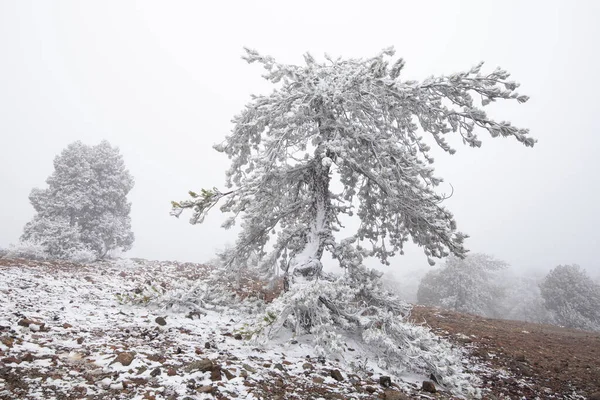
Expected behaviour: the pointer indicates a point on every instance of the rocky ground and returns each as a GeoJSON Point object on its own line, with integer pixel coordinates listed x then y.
{"type": "Point", "coordinates": [544, 361]}
{"type": "Point", "coordinates": [78, 332]}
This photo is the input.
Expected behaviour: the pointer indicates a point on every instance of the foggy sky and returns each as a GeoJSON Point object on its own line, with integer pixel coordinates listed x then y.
{"type": "Point", "coordinates": [162, 80]}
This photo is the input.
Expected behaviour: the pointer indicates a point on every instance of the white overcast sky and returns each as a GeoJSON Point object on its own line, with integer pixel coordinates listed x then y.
{"type": "Point", "coordinates": [162, 80]}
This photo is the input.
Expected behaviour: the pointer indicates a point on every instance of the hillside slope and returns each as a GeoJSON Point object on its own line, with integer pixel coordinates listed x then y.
{"type": "Point", "coordinates": [69, 332]}
{"type": "Point", "coordinates": [544, 360]}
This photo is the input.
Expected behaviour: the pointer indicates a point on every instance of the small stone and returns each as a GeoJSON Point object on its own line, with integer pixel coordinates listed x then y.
{"type": "Point", "coordinates": [249, 368]}
{"type": "Point", "coordinates": [66, 326]}
{"type": "Point", "coordinates": [160, 320]}
{"type": "Point", "coordinates": [429, 386]}
{"type": "Point", "coordinates": [171, 371]}
{"type": "Point", "coordinates": [318, 379]}
{"type": "Point", "coordinates": [385, 381]}
{"type": "Point", "coordinates": [205, 389]}
{"type": "Point", "coordinates": [520, 358]}
{"type": "Point", "coordinates": [10, 360]}
{"type": "Point", "coordinates": [228, 374]}
{"type": "Point", "coordinates": [79, 340]}
{"type": "Point", "coordinates": [215, 373]}
{"type": "Point", "coordinates": [390, 394]}
{"type": "Point", "coordinates": [370, 389]}
{"type": "Point", "coordinates": [203, 365]}
{"type": "Point", "coordinates": [279, 367]}
{"type": "Point", "coordinates": [307, 366]}
{"type": "Point", "coordinates": [27, 357]}
{"type": "Point", "coordinates": [125, 358]}
{"type": "Point", "coordinates": [207, 345]}
{"type": "Point", "coordinates": [25, 322]}
{"type": "Point", "coordinates": [7, 341]}
{"type": "Point", "coordinates": [238, 336]}
{"type": "Point", "coordinates": [337, 375]}
{"type": "Point", "coordinates": [155, 372]}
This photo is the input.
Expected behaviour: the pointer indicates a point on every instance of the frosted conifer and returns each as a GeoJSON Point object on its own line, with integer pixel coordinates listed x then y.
{"type": "Point", "coordinates": [356, 121]}
{"type": "Point", "coordinates": [349, 138]}
{"type": "Point", "coordinates": [85, 206]}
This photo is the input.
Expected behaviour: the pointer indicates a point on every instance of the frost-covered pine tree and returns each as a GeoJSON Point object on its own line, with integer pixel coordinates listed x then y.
{"type": "Point", "coordinates": [357, 122]}
{"type": "Point", "coordinates": [466, 285]}
{"type": "Point", "coordinates": [572, 297]}
{"type": "Point", "coordinates": [347, 137]}
{"type": "Point", "coordinates": [85, 207]}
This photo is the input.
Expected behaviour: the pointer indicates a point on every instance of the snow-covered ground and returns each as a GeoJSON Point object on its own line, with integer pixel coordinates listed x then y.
{"type": "Point", "coordinates": [67, 331]}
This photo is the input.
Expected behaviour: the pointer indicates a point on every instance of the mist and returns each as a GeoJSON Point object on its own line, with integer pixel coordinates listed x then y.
{"type": "Point", "coordinates": [163, 81]}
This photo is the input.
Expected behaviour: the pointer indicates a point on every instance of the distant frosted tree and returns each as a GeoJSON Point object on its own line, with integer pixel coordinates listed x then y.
{"type": "Point", "coordinates": [85, 206]}
{"type": "Point", "coordinates": [356, 123]}
{"type": "Point", "coordinates": [466, 285]}
{"type": "Point", "coordinates": [572, 297]}
{"type": "Point", "coordinates": [522, 299]}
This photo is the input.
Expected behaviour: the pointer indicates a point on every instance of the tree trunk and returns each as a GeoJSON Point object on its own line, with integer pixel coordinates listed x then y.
{"type": "Point", "coordinates": [307, 263]}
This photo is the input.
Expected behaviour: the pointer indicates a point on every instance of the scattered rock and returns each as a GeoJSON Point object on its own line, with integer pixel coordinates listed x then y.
{"type": "Point", "coordinates": [171, 371]}
{"type": "Point", "coordinates": [228, 374]}
{"type": "Point", "coordinates": [10, 360]}
{"type": "Point", "coordinates": [337, 375]}
{"type": "Point", "coordinates": [155, 372]}
{"type": "Point", "coordinates": [27, 357]}
{"type": "Point", "coordinates": [80, 340]}
{"type": "Point", "coordinates": [203, 365]}
{"type": "Point", "coordinates": [157, 357]}
{"type": "Point", "coordinates": [434, 378]}
{"type": "Point", "coordinates": [318, 379]}
{"type": "Point", "coordinates": [25, 322]}
{"type": "Point", "coordinates": [238, 336]}
{"type": "Point", "coordinates": [385, 381]}
{"type": "Point", "coordinates": [429, 386]}
{"type": "Point", "coordinates": [279, 367]}
{"type": "Point", "coordinates": [520, 358]}
{"type": "Point", "coordinates": [370, 389]}
{"type": "Point", "coordinates": [7, 341]}
{"type": "Point", "coordinates": [207, 345]}
{"type": "Point", "coordinates": [206, 389]}
{"type": "Point", "coordinates": [307, 366]}
{"type": "Point", "coordinates": [125, 358]}
{"type": "Point", "coordinates": [215, 373]}
{"type": "Point", "coordinates": [249, 368]}
{"type": "Point", "coordinates": [160, 320]}
{"type": "Point", "coordinates": [391, 394]}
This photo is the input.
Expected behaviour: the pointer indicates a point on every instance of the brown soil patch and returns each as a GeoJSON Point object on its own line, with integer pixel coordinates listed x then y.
{"type": "Point", "coordinates": [545, 361]}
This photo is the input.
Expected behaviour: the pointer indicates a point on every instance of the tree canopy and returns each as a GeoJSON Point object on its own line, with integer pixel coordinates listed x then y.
{"type": "Point", "coordinates": [465, 285]}
{"type": "Point", "coordinates": [357, 122]}
{"type": "Point", "coordinates": [84, 207]}
{"type": "Point", "coordinates": [572, 297]}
